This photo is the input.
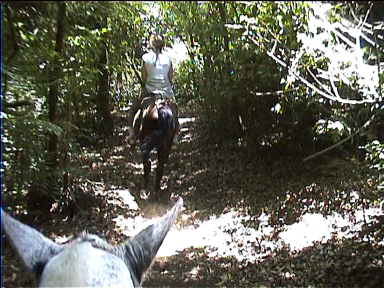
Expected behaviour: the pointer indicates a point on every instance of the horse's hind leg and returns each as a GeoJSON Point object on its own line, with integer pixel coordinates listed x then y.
{"type": "Point", "coordinates": [162, 157]}
{"type": "Point", "coordinates": [159, 174]}
{"type": "Point", "coordinates": [147, 171]}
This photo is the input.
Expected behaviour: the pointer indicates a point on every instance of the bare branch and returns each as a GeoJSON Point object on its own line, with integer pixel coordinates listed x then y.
{"type": "Point", "coordinates": [361, 129]}
{"type": "Point", "coordinates": [17, 104]}
{"type": "Point", "coordinates": [310, 85]}
{"type": "Point", "coordinates": [317, 80]}
{"type": "Point", "coordinates": [334, 88]}
{"type": "Point", "coordinates": [329, 148]}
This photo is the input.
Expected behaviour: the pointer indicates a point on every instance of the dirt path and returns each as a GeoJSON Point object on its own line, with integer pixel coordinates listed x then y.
{"type": "Point", "coordinates": [223, 237]}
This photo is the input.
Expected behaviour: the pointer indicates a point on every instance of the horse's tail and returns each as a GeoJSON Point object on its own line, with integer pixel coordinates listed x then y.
{"type": "Point", "coordinates": [166, 122]}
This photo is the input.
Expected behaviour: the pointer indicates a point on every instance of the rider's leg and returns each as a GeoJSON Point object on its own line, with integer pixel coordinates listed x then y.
{"type": "Point", "coordinates": [145, 103]}
{"type": "Point", "coordinates": [134, 131]}
{"type": "Point", "coordinates": [136, 117]}
{"type": "Point", "coordinates": [137, 121]}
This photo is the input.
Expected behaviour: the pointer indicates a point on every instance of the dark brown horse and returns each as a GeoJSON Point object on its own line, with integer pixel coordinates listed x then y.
{"type": "Point", "coordinates": [158, 130]}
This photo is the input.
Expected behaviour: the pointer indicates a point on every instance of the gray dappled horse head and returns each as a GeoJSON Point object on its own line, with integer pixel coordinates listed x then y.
{"type": "Point", "coordinates": [88, 261]}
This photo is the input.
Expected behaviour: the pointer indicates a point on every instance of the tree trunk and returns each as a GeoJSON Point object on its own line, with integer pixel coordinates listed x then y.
{"type": "Point", "coordinates": [223, 17]}
{"type": "Point", "coordinates": [234, 113]}
{"type": "Point", "coordinates": [43, 191]}
{"type": "Point", "coordinates": [54, 85]}
{"type": "Point", "coordinates": [103, 99]}
{"type": "Point", "coordinates": [12, 45]}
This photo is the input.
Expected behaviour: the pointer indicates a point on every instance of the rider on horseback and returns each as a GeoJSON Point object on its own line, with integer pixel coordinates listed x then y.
{"type": "Point", "coordinates": [157, 74]}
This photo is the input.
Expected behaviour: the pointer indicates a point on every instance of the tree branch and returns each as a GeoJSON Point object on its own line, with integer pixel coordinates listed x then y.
{"type": "Point", "coordinates": [334, 88]}
{"type": "Point", "coordinates": [317, 80]}
{"type": "Point", "coordinates": [310, 85]}
{"type": "Point", "coordinates": [366, 124]}
{"type": "Point", "coordinates": [17, 104]}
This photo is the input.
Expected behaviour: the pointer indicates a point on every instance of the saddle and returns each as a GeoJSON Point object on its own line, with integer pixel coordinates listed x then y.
{"type": "Point", "coordinates": [150, 106]}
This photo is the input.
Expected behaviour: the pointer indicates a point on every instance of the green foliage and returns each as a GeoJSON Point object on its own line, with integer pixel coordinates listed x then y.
{"type": "Point", "coordinates": [226, 70]}
{"type": "Point", "coordinates": [30, 38]}
{"type": "Point", "coordinates": [24, 139]}
{"type": "Point", "coordinates": [375, 156]}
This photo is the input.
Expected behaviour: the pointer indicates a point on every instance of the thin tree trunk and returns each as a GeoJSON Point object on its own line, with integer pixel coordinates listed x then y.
{"type": "Point", "coordinates": [103, 101]}
{"type": "Point", "coordinates": [54, 85]}
{"type": "Point", "coordinates": [235, 111]}
{"type": "Point", "coordinates": [13, 44]}
{"type": "Point", "coordinates": [223, 17]}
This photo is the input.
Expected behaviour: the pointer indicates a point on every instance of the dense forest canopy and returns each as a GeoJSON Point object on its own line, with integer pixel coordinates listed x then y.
{"type": "Point", "coordinates": [296, 80]}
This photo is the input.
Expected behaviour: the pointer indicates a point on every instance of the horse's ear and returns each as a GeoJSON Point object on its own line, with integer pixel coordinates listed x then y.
{"type": "Point", "coordinates": [33, 248]}
{"type": "Point", "coordinates": [142, 249]}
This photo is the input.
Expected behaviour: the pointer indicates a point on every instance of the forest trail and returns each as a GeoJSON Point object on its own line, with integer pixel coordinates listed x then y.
{"type": "Point", "coordinates": [212, 242]}
{"type": "Point", "coordinates": [211, 231]}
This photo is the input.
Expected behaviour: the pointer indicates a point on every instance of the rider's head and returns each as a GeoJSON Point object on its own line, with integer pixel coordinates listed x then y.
{"type": "Point", "coordinates": [156, 42]}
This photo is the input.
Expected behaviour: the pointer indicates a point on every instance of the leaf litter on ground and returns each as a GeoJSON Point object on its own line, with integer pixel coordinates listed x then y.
{"type": "Point", "coordinates": [249, 221]}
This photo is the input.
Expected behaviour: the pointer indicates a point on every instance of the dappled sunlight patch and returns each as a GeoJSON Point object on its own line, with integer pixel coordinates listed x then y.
{"type": "Point", "coordinates": [135, 167]}
{"type": "Point", "coordinates": [194, 272]}
{"type": "Point", "coordinates": [318, 228]}
{"type": "Point", "coordinates": [226, 235]}
{"type": "Point", "coordinates": [315, 258]}
{"type": "Point", "coordinates": [127, 198]}
{"type": "Point", "coordinates": [149, 213]}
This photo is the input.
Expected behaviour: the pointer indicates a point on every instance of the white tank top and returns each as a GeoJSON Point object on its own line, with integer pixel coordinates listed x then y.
{"type": "Point", "coordinates": [157, 73]}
